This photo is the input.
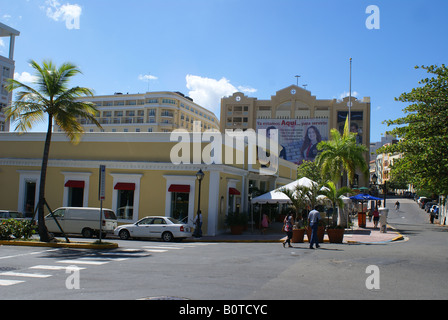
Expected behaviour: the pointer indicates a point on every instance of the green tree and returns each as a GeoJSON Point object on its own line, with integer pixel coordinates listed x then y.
{"type": "Point", "coordinates": [53, 99]}
{"type": "Point", "coordinates": [341, 153]}
{"type": "Point", "coordinates": [423, 133]}
{"type": "Point", "coordinates": [334, 195]}
{"type": "Point", "coordinates": [310, 170]}
{"type": "Point", "coordinates": [299, 199]}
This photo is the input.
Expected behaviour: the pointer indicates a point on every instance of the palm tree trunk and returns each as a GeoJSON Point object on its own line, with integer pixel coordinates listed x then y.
{"type": "Point", "coordinates": [43, 231]}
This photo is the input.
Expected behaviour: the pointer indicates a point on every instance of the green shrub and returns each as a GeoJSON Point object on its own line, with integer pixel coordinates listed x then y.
{"type": "Point", "coordinates": [16, 228]}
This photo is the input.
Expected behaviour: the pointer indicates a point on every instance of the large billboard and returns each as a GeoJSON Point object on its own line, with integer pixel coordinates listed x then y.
{"type": "Point", "coordinates": [298, 138]}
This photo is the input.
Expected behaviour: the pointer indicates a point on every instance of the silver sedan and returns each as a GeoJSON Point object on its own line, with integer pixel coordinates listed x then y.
{"type": "Point", "coordinates": [165, 228]}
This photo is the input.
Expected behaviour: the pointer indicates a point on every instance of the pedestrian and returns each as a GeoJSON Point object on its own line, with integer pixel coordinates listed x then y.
{"type": "Point", "coordinates": [264, 223]}
{"type": "Point", "coordinates": [313, 221]}
{"type": "Point", "coordinates": [397, 205]}
{"type": "Point", "coordinates": [376, 217]}
{"type": "Point", "coordinates": [287, 227]}
{"type": "Point", "coordinates": [198, 225]}
{"type": "Point", "coordinates": [432, 216]}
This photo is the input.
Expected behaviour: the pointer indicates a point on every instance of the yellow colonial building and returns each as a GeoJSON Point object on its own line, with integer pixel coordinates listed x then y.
{"type": "Point", "coordinates": [141, 177]}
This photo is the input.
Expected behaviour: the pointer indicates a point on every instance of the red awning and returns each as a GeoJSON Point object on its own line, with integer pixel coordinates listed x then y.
{"type": "Point", "coordinates": [179, 188]}
{"type": "Point", "coordinates": [124, 186]}
{"type": "Point", "coordinates": [234, 191]}
{"type": "Point", "coordinates": [75, 184]}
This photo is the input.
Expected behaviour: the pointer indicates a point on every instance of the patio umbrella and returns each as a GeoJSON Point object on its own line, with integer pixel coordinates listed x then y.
{"type": "Point", "coordinates": [364, 197]}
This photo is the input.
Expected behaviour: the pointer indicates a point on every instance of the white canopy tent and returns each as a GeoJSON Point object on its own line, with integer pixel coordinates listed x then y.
{"type": "Point", "coordinates": [276, 196]}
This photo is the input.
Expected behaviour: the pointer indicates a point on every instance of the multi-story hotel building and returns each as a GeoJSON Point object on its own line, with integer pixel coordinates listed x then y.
{"type": "Point", "coordinates": [6, 72]}
{"type": "Point", "coordinates": [301, 119]}
{"type": "Point", "coordinates": [148, 112]}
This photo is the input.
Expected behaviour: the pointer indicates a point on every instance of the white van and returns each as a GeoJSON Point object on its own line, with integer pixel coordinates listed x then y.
{"type": "Point", "coordinates": [85, 221]}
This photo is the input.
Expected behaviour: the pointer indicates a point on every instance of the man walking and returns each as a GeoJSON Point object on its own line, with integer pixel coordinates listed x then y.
{"type": "Point", "coordinates": [198, 225]}
{"type": "Point", "coordinates": [313, 220]}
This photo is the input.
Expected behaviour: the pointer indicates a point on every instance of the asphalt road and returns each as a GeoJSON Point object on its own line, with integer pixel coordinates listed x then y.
{"type": "Point", "coordinates": [411, 269]}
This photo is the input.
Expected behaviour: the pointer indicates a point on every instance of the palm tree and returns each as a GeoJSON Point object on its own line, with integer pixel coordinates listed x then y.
{"type": "Point", "coordinates": [341, 153]}
{"type": "Point", "coordinates": [303, 196]}
{"type": "Point", "coordinates": [298, 198]}
{"type": "Point", "coordinates": [54, 99]}
{"type": "Point", "coordinates": [334, 195]}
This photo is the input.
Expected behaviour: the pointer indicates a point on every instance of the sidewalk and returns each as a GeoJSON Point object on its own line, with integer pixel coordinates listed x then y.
{"type": "Point", "coordinates": [354, 235]}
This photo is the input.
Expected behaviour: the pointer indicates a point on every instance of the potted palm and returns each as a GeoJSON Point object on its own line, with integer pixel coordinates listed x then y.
{"type": "Point", "coordinates": [335, 232]}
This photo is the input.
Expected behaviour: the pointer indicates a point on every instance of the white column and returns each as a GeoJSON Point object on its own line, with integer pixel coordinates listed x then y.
{"type": "Point", "coordinates": [213, 203]}
{"type": "Point", "coordinates": [11, 46]}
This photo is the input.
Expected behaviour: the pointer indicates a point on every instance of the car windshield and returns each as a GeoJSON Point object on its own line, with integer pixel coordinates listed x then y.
{"type": "Point", "coordinates": [175, 221]}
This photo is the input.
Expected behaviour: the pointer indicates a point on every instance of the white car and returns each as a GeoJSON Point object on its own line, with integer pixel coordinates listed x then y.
{"type": "Point", "coordinates": [166, 228]}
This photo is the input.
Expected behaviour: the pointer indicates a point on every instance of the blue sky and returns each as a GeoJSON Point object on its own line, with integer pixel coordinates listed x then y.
{"type": "Point", "coordinates": [211, 48]}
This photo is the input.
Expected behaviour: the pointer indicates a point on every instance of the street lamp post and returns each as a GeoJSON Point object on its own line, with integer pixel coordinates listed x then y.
{"type": "Point", "coordinates": [199, 176]}
{"type": "Point", "coordinates": [384, 187]}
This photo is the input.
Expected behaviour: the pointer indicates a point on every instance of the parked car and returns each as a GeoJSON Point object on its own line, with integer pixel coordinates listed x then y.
{"type": "Point", "coordinates": [10, 214]}
{"type": "Point", "coordinates": [165, 228]}
{"type": "Point", "coordinates": [422, 201]}
{"type": "Point", "coordinates": [83, 220]}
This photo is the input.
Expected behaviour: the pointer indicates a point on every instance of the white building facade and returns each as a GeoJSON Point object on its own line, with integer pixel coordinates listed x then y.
{"type": "Point", "coordinates": [6, 72]}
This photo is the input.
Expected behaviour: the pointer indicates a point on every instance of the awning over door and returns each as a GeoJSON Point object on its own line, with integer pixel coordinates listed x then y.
{"type": "Point", "coordinates": [234, 191]}
{"type": "Point", "coordinates": [181, 188]}
{"type": "Point", "coordinates": [124, 186]}
{"type": "Point", "coordinates": [74, 184]}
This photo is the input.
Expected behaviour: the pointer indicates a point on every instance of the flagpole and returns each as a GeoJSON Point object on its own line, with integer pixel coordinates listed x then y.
{"type": "Point", "coordinates": [349, 109]}
{"type": "Point", "coordinates": [350, 96]}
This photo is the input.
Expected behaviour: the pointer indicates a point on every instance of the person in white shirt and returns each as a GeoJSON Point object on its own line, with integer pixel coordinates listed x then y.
{"type": "Point", "coordinates": [313, 220]}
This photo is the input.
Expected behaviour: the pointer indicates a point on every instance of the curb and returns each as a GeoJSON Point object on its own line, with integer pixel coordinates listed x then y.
{"type": "Point", "coordinates": [397, 238]}
{"type": "Point", "coordinates": [74, 245]}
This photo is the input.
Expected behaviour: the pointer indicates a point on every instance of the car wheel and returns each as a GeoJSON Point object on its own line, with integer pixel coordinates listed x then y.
{"type": "Point", "coordinates": [87, 233]}
{"type": "Point", "coordinates": [124, 234]}
{"type": "Point", "coordinates": [167, 236]}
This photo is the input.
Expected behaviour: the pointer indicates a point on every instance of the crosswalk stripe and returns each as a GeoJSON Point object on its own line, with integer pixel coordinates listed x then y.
{"type": "Point", "coordinates": [155, 250]}
{"type": "Point", "coordinates": [162, 247]}
{"type": "Point", "coordinates": [28, 275]}
{"type": "Point", "coordinates": [9, 282]}
{"type": "Point", "coordinates": [43, 267]}
{"type": "Point", "coordinates": [79, 261]}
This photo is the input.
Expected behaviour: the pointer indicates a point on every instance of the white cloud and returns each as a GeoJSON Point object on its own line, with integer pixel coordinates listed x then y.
{"type": "Point", "coordinates": [208, 92]}
{"type": "Point", "coordinates": [24, 77]}
{"type": "Point", "coordinates": [247, 89]}
{"type": "Point", "coordinates": [346, 94]}
{"type": "Point", "coordinates": [70, 13]}
{"type": "Point", "coordinates": [147, 77]}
